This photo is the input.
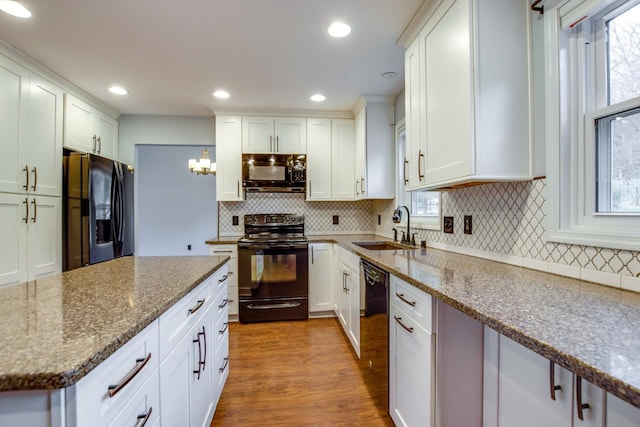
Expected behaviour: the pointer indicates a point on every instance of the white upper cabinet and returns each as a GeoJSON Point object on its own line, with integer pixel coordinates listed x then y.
{"type": "Point", "coordinates": [285, 135]}
{"type": "Point", "coordinates": [229, 159]}
{"type": "Point", "coordinates": [374, 148]}
{"type": "Point", "coordinates": [471, 96]}
{"type": "Point", "coordinates": [89, 130]}
{"type": "Point", "coordinates": [330, 159]}
{"type": "Point", "coordinates": [30, 132]}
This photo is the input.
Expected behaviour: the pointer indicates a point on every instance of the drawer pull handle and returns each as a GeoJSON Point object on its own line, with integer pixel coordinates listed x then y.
{"type": "Point", "coordinates": [399, 320]}
{"type": "Point", "coordinates": [197, 306]}
{"type": "Point", "coordinates": [142, 419]}
{"type": "Point", "coordinates": [581, 406]}
{"type": "Point", "coordinates": [552, 380]}
{"type": "Point", "coordinates": [226, 363]}
{"type": "Point", "coordinates": [222, 252]}
{"type": "Point", "coordinates": [223, 278]}
{"type": "Point", "coordinates": [224, 328]}
{"type": "Point", "coordinates": [401, 296]}
{"type": "Point", "coordinates": [140, 363]}
{"type": "Point", "coordinates": [224, 304]}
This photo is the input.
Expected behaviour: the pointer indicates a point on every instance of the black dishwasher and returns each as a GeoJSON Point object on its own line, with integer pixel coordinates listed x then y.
{"type": "Point", "coordinates": [374, 332]}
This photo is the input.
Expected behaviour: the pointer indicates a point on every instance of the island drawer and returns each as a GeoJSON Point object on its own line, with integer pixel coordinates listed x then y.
{"type": "Point", "coordinates": [179, 319]}
{"type": "Point", "coordinates": [144, 407]}
{"type": "Point", "coordinates": [415, 303]}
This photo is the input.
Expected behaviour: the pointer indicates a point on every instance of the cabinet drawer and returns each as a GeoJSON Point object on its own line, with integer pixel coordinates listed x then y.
{"type": "Point", "coordinates": [177, 321]}
{"type": "Point", "coordinates": [221, 331]}
{"type": "Point", "coordinates": [224, 250]}
{"type": "Point", "coordinates": [221, 303]}
{"type": "Point", "coordinates": [220, 280]}
{"type": "Point", "coordinates": [414, 302]}
{"type": "Point", "coordinates": [145, 405]}
{"type": "Point", "coordinates": [97, 403]}
{"type": "Point", "coordinates": [349, 259]}
{"type": "Point", "coordinates": [233, 300]}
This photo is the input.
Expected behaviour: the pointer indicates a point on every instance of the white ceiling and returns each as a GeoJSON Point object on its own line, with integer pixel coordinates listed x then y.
{"type": "Point", "coordinates": [171, 56]}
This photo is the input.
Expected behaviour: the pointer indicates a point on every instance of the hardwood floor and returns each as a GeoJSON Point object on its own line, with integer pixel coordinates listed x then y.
{"type": "Point", "coordinates": [299, 373]}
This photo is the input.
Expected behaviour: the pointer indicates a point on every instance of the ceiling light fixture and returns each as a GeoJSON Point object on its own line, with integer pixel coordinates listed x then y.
{"type": "Point", "coordinates": [339, 29]}
{"type": "Point", "coordinates": [389, 75]}
{"type": "Point", "coordinates": [222, 94]}
{"type": "Point", "coordinates": [203, 165]}
{"type": "Point", "coordinates": [14, 8]}
{"type": "Point", "coordinates": [318, 97]}
{"type": "Point", "coordinates": [118, 90]}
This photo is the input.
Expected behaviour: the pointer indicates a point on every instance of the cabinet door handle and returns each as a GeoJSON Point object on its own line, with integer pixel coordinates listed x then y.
{"type": "Point", "coordinates": [401, 296]}
{"type": "Point", "coordinates": [238, 189]}
{"type": "Point", "coordinates": [26, 218]}
{"type": "Point", "coordinates": [35, 178]}
{"type": "Point", "coordinates": [553, 387]}
{"type": "Point", "coordinates": [95, 143]}
{"type": "Point", "coordinates": [580, 406]}
{"type": "Point", "coordinates": [143, 418]}
{"type": "Point", "coordinates": [197, 340]}
{"type": "Point", "coordinates": [140, 363]}
{"type": "Point", "coordinates": [309, 188]}
{"type": "Point", "coordinates": [271, 143]}
{"type": "Point", "coordinates": [99, 144]}
{"type": "Point", "coordinates": [226, 363]}
{"type": "Point", "coordinates": [204, 338]}
{"type": "Point", "coordinates": [35, 211]}
{"type": "Point", "coordinates": [399, 320]}
{"type": "Point", "coordinates": [362, 186]}
{"type": "Point", "coordinates": [224, 304]}
{"type": "Point", "coordinates": [357, 186]}
{"type": "Point", "coordinates": [346, 281]}
{"type": "Point", "coordinates": [311, 254]}
{"type": "Point", "coordinates": [404, 171]}
{"type": "Point", "coordinates": [277, 143]}
{"type": "Point", "coordinates": [223, 278]}
{"type": "Point", "coordinates": [225, 326]}
{"type": "Point", "coordinates": [420, 156]}
{"type": "Point", "coordinates": [197, 306]}
{"type": "Point", "coordinates": [26, 172]}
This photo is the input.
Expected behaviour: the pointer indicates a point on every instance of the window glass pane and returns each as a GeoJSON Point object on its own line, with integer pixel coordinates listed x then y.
{"type": "Point", "coordinates": [624, 55]}
{"type": "Point", "coordinates": [618, 153]}
{"type": "Point", "coordinates": [425, 203]}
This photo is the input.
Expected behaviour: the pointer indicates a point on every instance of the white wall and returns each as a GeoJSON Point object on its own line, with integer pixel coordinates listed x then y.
{"type": "Point", "coordinates": [174, 207]}
{"type": "Point", "coordinates": [161, 130]}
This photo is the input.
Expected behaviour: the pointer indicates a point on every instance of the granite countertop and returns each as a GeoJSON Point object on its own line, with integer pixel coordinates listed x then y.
{"type": "Point", "coordinates": [225, 240]}
{"type": "Point", "coordinates": [55, 330]}
{"type": "Point", "coordinates": [587, 328]}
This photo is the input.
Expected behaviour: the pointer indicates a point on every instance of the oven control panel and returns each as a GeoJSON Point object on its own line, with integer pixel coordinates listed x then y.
{"type": "Point", "coordinates": [272, 219]}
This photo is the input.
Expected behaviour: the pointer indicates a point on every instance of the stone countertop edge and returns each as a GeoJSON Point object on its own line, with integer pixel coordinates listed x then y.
{"type": "Point", "coordinates": [49, 380]}
{"type": "Point", "coordinates": [578, 366]}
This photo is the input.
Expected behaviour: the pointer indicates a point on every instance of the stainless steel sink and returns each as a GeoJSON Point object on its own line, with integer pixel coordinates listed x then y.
{"type": "Point", "coordinates": [382, 246]}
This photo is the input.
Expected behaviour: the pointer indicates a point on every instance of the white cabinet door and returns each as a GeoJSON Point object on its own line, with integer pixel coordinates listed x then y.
{"type": "Point", "coordinates": [201, 393]}
{"type": "Point", "coordinates": [342, 159]}
{"type": "Point", "coordinates": [320, 256]}
{"type": "Point", "coordinates": [290, 135]}
{"type": "Point", "coordinates": [319, 166]}
{"type": "Point", "coordinates": [78, 125]}
{"type": "Point", "coordinates": [592, 414]}
{"type": "Point", "coordinates": [449, 101]}
{"type": "Point", "coordinates": [175, 380]}
{"type": "Point", "coordinates": [353, 301]}
{"type": "Point", "coordinates": [229, 158]}
{"type": "Point", "coordinates": [45, 137]}
{"type": "Point", "coordinates": [524, 389]}
{"type": "Point", "coordinates": [621, 413]}
{"type": "Point", "coordinates": [257, 135]}
{"type": "Point", "coordinates": [415, 147]}
{"type": "Point", "coordinates": [410, 371]}
{"type": "Point", "coordinates": [13, 238]}
{"type": "Point", "coordinates": [14, 87]}
{"type": "Point", "coordinates": [107, 136]}
{"type": "Point", "coordinates": [44, 236]}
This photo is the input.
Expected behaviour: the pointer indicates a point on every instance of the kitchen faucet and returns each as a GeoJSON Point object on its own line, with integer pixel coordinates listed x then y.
{"type": "Point", "coordinates": [397, 217]}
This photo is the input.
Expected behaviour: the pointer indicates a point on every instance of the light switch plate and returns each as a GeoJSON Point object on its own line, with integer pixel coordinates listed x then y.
{"type": "Point", "coordinates": [447, 224]}
{"type": "Point", "coordinates": [468, 224]}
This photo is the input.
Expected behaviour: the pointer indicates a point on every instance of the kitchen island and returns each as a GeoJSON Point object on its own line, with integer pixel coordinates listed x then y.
{"type": "Point", "coordinates": [57, 330]}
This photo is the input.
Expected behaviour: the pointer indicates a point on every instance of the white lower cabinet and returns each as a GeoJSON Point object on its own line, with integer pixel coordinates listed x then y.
{"type": "Point", "coordinates": [320, 257]}
{"type": "Point", "coordinates": [230, 250]}
{"type": "Point", "coordinates": [621, 413]}
{"type": "Point", "coordinates": [411, 356]}
{"type": "Point", "coordinates": [347, 294]}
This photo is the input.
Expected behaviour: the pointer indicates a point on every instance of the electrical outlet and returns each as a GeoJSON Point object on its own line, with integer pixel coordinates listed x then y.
{"type": "Point", "coordinates": [336, 220]}
{"type": "Point", "coordinates": [448, 224]}
{"type": "Point", "coordinates": [379, 219]}
{"type": "Point", "coordinates": [234, 220]}
{"type": "Point", "coordinates": [189, 247]}
{"type": "Point", "coordinates": [468, 224]}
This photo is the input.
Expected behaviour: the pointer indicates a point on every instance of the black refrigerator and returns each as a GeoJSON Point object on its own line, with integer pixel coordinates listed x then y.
{"type": "Point", "coordinates": [97, 210]}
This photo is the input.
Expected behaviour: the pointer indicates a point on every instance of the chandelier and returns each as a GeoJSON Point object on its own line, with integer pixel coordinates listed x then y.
{"type": "Point", "coordinates": [204, 165]}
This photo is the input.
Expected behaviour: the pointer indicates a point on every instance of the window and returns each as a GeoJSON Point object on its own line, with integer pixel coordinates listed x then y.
{"type": "Point", "coordinates": [424, 205]}
{"type": "Point", "coordinates": [593, 122]}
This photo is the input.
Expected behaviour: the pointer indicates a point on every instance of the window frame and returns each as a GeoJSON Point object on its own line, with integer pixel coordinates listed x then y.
{"type": "Point", "coordinates": [573, 92]}
{"type": "Point", "coordinates": [403, 197]}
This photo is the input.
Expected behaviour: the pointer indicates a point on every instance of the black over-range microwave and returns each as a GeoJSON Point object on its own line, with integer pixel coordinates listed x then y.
{"type": "Point", "coordinates": [271, 173]}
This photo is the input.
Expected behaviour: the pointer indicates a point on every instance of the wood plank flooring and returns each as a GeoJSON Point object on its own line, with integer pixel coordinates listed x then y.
{"type": "Point", "coordinates": [297, 373]}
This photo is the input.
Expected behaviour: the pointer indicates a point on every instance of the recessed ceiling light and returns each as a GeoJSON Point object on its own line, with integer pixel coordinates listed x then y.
{"type": "Point", "coordinates": [118, 90]}
{"type": "Point", "coordinates": [222, 94]}
{"type": "Point", "coordinates": [14, 8]}
{"type": "Point", "coordinates": [339, 29]}
{"type": "Point", "coordinates": [318, 97]}
{"type": "Point", "coordinates": [389, 75]}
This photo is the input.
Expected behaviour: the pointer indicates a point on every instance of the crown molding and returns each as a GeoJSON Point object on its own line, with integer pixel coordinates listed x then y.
{"type": "Point", "coordinates": [282, 112]}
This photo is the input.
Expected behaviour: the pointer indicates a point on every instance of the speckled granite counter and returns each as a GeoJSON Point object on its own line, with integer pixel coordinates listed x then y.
{"type": "Point", "coordinates": [227, 240]}
{"type": "Point", "coordinates": [588, 328]}
{"type": "Point", "coordinates": [53, 331]}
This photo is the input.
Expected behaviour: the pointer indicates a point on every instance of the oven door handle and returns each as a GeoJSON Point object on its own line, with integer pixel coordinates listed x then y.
{"type": "Point", "coordinates": [271, 306]}
{"type": "Point", "coordinates": [273, 246]}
